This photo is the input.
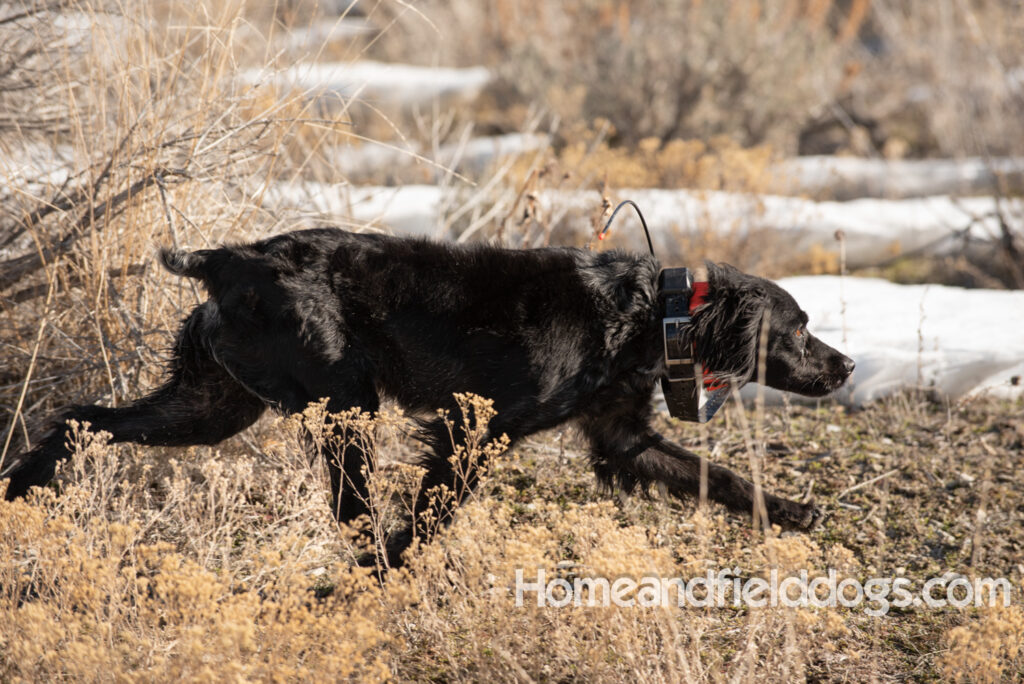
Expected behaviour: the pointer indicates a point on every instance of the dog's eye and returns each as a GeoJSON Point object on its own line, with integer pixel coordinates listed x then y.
{"type": "Point", "coordinates": [799, 333]}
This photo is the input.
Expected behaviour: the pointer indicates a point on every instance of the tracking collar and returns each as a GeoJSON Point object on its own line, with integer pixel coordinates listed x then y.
{"type": "Point", "coordinates": [691, 391]}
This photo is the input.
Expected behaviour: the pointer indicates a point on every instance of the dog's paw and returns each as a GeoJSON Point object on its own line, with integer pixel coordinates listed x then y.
{"type": "Point", "coordinates": [790, 515]}
{"type": "Point", "coordinates": [813, 516]}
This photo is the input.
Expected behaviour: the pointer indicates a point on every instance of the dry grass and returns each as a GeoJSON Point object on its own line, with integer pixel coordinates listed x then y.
{"type": "Point", "coordinates": [138, 573]}
{"type": "Point", "coordinates": [718, 164]}
{"type": "Point", "coordinates": [215, 563]}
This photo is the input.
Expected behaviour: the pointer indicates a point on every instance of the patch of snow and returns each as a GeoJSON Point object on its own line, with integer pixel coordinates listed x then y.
{"type": "Point", "coordinates": [1015, 80]}
{"type": "Point", "coordinates": [875, 229]}
{"type": "Point", "coordinates": [479, 153]}
{"type": "Point", "coordinates": [369, 159]}
{"type": "Point", "coordinates": [395, 83]}
{"type": "Point", "coordinates": [407, 210]}
{"type": "Point", "coordinates": [309, 39]}
{"type": "Point", "coordinates": [34, 164]}
{"type": "Point", "coordinates": [473, 156]}
{"type": "Point", "coordinates": [846, 178]}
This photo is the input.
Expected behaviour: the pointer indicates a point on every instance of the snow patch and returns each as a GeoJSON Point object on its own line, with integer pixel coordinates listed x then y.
{"type": "Point", "coordinates": [393, 83]}
{"type": "Point", "coordinates": [473, 156]}
{"type": "Point", "coordinates": [875, 229]}
{"type": "Point", "coordinates": [34, 165]}
{"type": "Point", "coordinates": [310, 39]}
{"type": "Point", "coordinates": [406, 210]}
{"type": "Point", "coordinates": [846, 178]}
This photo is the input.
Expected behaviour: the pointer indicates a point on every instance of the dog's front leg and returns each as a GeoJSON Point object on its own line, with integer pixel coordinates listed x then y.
{"type": "Point", "coordinates": [667, 462]}
{"type": "Point", "coordinates": [629, 455]}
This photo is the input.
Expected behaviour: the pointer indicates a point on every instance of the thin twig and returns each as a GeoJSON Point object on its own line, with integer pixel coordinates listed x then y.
{"type": "Point", "coordinates": [866, 483]}
{"type": "Point", "coordinates": [981, 513]}
{"type": "Point", "coordinates": [31, 367]}
{"type": "Point", "coordinates": [35, 291]}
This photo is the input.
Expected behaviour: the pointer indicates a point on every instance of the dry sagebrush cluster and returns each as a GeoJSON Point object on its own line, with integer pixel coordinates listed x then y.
{"type": "Point", "coordinates": [226, 566]}
{"type": "Point", "coordinates": [878, 77]}
{"type": "Point", "coordinates": [165, 565]}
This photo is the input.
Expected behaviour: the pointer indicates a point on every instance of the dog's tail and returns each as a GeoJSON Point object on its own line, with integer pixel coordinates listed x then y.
{"type": "Point", "coordinates": [183, 263]}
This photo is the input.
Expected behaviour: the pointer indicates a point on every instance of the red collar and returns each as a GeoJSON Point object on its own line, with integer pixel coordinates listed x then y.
{"type": "Point", "coordinates": [689, 394]}
{"type": "Point", "coordinates": [700, 293]}
{"type": "Point", "coordinates": [698, 297]}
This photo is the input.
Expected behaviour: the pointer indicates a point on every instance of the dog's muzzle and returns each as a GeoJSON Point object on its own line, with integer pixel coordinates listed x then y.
{"type": "Point", "coordinates": [691, 391]}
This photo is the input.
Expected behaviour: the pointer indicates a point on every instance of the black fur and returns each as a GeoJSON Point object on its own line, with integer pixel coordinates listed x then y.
{"type": "Point", "coordinates": [551, 335]}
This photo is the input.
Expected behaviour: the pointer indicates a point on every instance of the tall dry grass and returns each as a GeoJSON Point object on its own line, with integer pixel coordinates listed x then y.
{"type": "Point", "coordinates": [195, 570]}
{"type": "Point", "coordinates": [127, 129]}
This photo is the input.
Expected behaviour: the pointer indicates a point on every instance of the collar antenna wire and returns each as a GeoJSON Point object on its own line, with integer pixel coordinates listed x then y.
{"type": "Point", "coordinates": [650, 245]}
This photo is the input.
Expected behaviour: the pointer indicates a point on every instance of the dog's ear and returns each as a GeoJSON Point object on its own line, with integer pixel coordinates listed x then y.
{"type": "Point", "coordinates": [727, 326]}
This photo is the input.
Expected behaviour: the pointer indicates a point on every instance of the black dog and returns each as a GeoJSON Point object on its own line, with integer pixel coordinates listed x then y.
{"type": "Point", "coordinates": [551, 335]}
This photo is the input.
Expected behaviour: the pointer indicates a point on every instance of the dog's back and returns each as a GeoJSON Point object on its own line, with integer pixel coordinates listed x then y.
{"type": "Point", "coordinates": [421, 320]}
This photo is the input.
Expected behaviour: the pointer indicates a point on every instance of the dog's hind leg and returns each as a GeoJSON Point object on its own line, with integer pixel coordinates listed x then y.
{"type": "Point", "coordinates": [453, 472]}
{"type": "Point", "coordinates": [347, 459]}
{"type": "Point", "coordinates": [199, 404]}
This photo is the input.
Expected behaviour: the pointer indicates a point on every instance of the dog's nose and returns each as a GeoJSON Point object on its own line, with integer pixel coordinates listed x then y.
{"type": "Point", "coordinates": [848, 365]}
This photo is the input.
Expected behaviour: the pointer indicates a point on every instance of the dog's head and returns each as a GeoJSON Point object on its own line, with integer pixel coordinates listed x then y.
{"type": "Point", "coordinates": [728, 331]}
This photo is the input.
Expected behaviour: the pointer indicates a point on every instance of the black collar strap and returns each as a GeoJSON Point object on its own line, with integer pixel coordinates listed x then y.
{"type": "Point", "coordinates": [690, 391]}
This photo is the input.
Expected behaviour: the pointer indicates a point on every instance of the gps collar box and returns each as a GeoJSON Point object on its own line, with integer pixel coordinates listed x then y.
{"type": "Point", "coordinates": [691, 391]}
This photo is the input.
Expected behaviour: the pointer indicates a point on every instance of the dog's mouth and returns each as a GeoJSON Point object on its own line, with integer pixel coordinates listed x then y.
{"type": "Point", "coordinates": [824, 386]}
{"type": "Point", "coordinates": [826, 383]}
{"type": "Point", "coordinates": [813, 377]}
